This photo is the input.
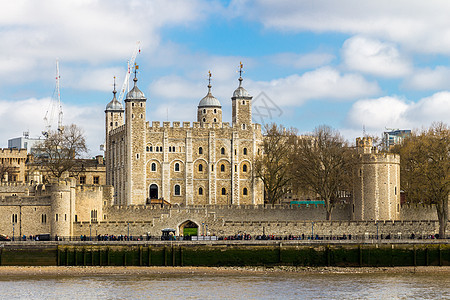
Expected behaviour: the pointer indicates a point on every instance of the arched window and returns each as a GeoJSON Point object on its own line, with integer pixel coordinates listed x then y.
{"type": "Point", "coordinates": [243, 102]}
{"type": "Point", "coordinates": [204, 111]}
{"type": "Point", "coordinates": [215, 110]}
{"type": "Point", "coordinates": [245, 192]}
{"type": "Point", "coordinates": [224, 191]}
{"type": "Point", "coordinates": [243, 126]}
{"type": "Point", "coordinates": [153, 168]}
{"type": "Point", "coordinates": [222, 168]}
{"type": "Point", "coordinates": [177, 190]}
{"type": "Point", "coordinates": [204, 119]}
{"type": "Point", "coordinates": [244, 168]}
{"type": "Point", "coordinates": [222, 150]}
{"type": "Point", "coordinates": [200, 168]}
{"type": "Point", "coordinates": [200, 150]}
{"type": "Point", "coordinates": [151, 148]}
{"type": "Point", "coordinates": [215, 120]}
{"type": "Point", "coordinates": [148, 148]}
{"type": "Point", "coordinates": [177, 167]}
{"type": "Point", "coordinates": [245, 151]}
{"type": "Point", "coordinates": [200, 191]}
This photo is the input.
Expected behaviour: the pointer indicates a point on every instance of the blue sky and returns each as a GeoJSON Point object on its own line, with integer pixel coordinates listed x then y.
{"type": "Point", "coordinates": [348, 64]}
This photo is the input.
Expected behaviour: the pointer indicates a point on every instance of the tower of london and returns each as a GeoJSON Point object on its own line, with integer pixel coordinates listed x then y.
{"type": "Point", "coordinates": [208, 162]}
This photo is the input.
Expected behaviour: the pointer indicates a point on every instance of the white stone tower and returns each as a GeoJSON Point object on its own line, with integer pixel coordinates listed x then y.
{"type": "Point", "coordinates": [376, 184]}
{"type": "Point", "coordinates": [135, 190]}
{"type": "Point", "coordinates": [241, 103]}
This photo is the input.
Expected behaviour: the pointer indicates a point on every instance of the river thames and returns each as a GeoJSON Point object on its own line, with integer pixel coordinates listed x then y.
{"type": "Point", "coordinates": [207, 283]}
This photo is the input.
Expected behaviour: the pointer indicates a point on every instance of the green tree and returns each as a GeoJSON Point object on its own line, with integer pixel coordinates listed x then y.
{"type": "Point", "coordinates": [58, 154]}
{"type": "Point", "coordinates": [272, 163]}
{"type": "Point", "coordinates": [424, 167]}
{"type": "Point", "coordinates": [323, 164]}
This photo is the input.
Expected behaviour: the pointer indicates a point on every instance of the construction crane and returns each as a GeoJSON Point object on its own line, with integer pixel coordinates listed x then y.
{"type": "Point", "coordinates": [126, 82]}
{"type": "Point", "coordinates": [55, 107]}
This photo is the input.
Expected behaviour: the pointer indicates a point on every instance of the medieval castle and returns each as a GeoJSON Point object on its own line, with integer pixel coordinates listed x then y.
{"type": "Point", "coordinates": [194, 176]}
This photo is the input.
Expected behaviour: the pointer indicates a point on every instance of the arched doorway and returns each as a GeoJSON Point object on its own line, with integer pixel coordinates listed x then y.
{"type": "Point", "coordinates": [188, 228]}
{"type": "Point", "coordinates": [153, 191]}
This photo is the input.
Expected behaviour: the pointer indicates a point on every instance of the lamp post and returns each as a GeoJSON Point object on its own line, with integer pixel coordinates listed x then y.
{"type": "Point", "coordinates": [312, 230]}
{"type": "Point", "coordinates": [13, 231]}
{"type": "Point", "coordinates": [128, 236]}
{"type": "Point", "coordinates": [90, 232]}
{"type": "Point", "coordinates": [377, 230]}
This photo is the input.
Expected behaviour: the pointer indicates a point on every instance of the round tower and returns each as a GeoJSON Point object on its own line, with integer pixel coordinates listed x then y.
{"type": "Point", "coordinates": [376, 184]}
{"type": "Point", "coordinates": [209, 109]}
{"type": "Point", "coordinates": [62, 196]}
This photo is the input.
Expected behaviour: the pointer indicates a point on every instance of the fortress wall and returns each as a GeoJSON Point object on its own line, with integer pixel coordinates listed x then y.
{"type": "Point", "coordinates": [89, 198]}
{"type": "Point", "coordinates": [418, 212]}
{"type": "Point", "coordinates": [10, 188]}
{"type": "Point", "coordinates": [233, 212]}
{"type": "Point", "coordinates": [220, 227]}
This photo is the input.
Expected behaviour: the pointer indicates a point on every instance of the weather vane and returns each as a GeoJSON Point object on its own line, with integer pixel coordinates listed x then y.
{"type": "Point", "coordinates": [241, 66]}
{"type": "Point", "coordinates": [209, 78]}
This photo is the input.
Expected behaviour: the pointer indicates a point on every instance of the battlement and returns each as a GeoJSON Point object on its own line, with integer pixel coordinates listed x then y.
{"type": "Point", "coordinates": [117, 130]}
{"type": "Point", "coordinates": [155, 126]}
{"type": "Point", "coordinates": [13, 153]}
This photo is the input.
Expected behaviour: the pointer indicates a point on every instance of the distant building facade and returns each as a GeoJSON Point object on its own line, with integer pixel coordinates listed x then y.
{"type": "Point", "coordinates": [395, 137]}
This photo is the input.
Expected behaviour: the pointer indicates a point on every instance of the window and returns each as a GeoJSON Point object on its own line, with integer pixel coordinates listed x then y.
{"type": "Point", "coordinates": [177, 190]}
{"type": "Point", "coordinates": [215, 111]}
{"type": "Point", "coordinates": [200, 168]}
{"type": "Point", "coordinates": [215, 120]}
{"type": "Point", "coordinates": [14, 218]}
{"type": "Point", "coordinates": [177, 167]}
{"type": "Point", "coordinates": [200, 150]}
{"type": "Point", "coordinates": [243, 126]}
{"type": "Point", "coordinates": [44, 218]}
{"type": "Point", "coordinates": [153, 167]}
{"type": "Point", "coordinates": [151, 148]}
{"type": "Point", "coordinates": [222, 168]}
{"type": "Point", "coordinates": [111, 123]}
{"type": "Point", "coordinates": [173, 148]}
{"type": "Point", "coordinates": [148, 149]}
{"type": "Point", "coordinates": [141, 104]}
{"type": "Point", "coordinates": [244, 168]}
{"type": "Point", "coordinates": [212, 167]}
{"type": "Point", "coordinates": [204, 119]}
{"type": "Point", "coordinates": [94, 215]}
{"type": "Point", "coordinates": [204, 111]}
{"type": "Point", "coordinates": [245, 151]}
{"type": "Point", "coordinates": [243, 102]}
{"type": "Point", "coordinates": [96, 180]}
{"type": "Point", "coordinates": [137, 155]}
{"type": "Point", "coordinates": [82, 179]}
{"type": "Point", "coordinates": [395, 190]}
{"type": "Point", "coordinates": [56, 217]}
{"type": "Point", "coordinates": [200, 191]}
{"type": "Point", "coordinates": [222, 150]}
{"type": "Point", "coordinates": [224, 191]}
{"type": "Point", "coordinates": [117, 123]}
{"type": "Point", "coordinates": [235, 168]}
{"type": "Point", "coordinates": [65, 217]}
{"type": "Point", "coordinates": [142, 116]}
{"type": "Point", "coordinates": [245, 192]}
{"type": "Point", "coordinates": [76, 218]}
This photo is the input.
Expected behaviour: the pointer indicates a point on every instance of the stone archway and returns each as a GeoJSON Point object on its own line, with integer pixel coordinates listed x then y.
{"type": "Point", "coordinates": [153, 191]}
{"type": "Point", "coordinates": [188, 228]}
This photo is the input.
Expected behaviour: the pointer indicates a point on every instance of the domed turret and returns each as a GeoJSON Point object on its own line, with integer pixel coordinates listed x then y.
{"type": "Point", "coordinates": [114, 105]}
{"type": "Point", "coordinates": [135, 93]}
{"type": "Point", "coordinates": [209, 109]}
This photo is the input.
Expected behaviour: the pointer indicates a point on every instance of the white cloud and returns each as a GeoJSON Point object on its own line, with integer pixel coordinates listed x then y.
{"type": "Point", "coordinates": [429, 79]}
{"type": "Point", "coordinates": [324, 83]}
{"type": "Point", "coordinates": [302, 61]}
{"type": "Point", "coordinates": [34, 34]}
{"type": "Point", "coordinates": [393, 112]}
{"type": "Point", "coordinates": [31, 114]}
{"type": "Point", "coordinates": [422, 26]}
{"type": "Point", "coordinates": [374, 57]}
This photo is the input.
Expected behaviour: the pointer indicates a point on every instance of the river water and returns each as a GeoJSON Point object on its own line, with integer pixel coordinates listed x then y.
{"type": "Point", "coordinates": [279, 285]}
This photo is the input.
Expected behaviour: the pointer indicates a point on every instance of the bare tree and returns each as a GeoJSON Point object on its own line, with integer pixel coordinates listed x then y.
{"type": "Point", "coordinates": [58, 154]}
{"type": "Point", "coordinates": [425, 168]}
{"type": "Point", "coordinates": [323, 164]}
{"type": "Point", "coordinates": [272, 164]}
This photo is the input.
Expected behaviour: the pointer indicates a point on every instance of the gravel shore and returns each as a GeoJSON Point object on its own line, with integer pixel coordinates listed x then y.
{"type": "Point", "coordinates": [88, 271]}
